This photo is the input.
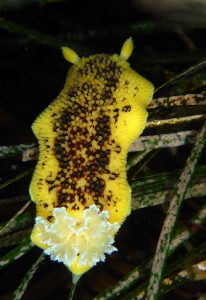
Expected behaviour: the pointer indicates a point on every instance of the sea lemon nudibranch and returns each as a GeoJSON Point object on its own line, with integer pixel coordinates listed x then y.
{"type": "Point", "coordinates": [79, 185]}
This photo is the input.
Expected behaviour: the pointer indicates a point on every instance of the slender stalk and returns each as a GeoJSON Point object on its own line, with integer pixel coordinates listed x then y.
{"type": "Point", "coordinates": [72, 290]}
{"type": "Point", "coordinates": [193, 69]}
{"type": "Point", "coordinates": [129, 280]}
{"type": "Point", "coordinates": [175, 121]}
{"type": "Point", "coordinates": [152, 155]}
{"type": "Point", "coordinates": [19, 292]}
{"type": "Point", "coordinates": [176, 139]}
{"type": "Point", "coordinates": [15, 238]}
{"type": "Point", "coordinates": [180, 100]}
{"type": "Point", "coordinates": [172, 276]}
{"type": "Point", "coordinates": [137, 157]}
{"type": "Point", "coordinates": [161, 197]}
{"type": "Point", "coordinates": [16, 253]}
{"type": "Point", "coordinates": [14, 218]}
{"type": "Point", "coordinates": [7, 151]}
{"type": "Point", "coordinates": [75, 279]}
{"type": "Point", "coordinates": [16, 178]}
{"type": "Point", "coordinates": [172, 215]}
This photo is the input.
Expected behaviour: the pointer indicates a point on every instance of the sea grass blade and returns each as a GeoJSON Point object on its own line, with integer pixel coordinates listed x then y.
{"type": "Point", "coordinates": [19, 292]}
{"type": "Point", "coordinates": [173, 277]}
{"type": "Point", "coordinates": [180, 100]}
{"type": "Point", "coordinates": [144, 164]}
{"type": "Point", "coordinates": [175, 139]}
{"type": "Point", "coordinates": [175, 121]}
{"type": "Point", "coordinates": [125, 283]}
{"type": "Point", "coordinates": [162, 182]}
{"type": "Point", "coordinates": [157, 198]}
{"type": "Point", "coordinates": [191, 70]}
{"type": "Point", "coordinates": [181, 235]}
{"type": "Point", "coordinates": [16, 178]}
{"type": "Point", "coordinates": [12, 200]}
{"type": "Point", "coordinates": [21, 221]}
{"type": "Point", "coordinates": [13, 219]}
{"type": "Point", "coordinates": [172, 215]}
{"type": "Point", "coordinates": [136, 158]}
{"type": "Point", "coordinates": [168, 284]}
{"type": "Point", "coordinates": [16, 253]}
{"type": "Point", "coordinates": [14, 238]}
{"type": "Point", "coordinates": [13, 150]}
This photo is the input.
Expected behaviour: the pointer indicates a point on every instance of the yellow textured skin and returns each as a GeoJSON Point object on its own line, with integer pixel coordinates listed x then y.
{"type": "Point", "coordinates": [84, 136]}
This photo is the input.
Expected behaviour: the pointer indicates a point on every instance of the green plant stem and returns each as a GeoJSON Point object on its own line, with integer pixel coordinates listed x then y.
{"type": "Point", "coordinates": [19, 292]}
{"type": "Point", "coordinates": [12, 200]}
{"type": "Point", "coordinates": [175, 278]}
{"type": "Point", "coordinates": [180, 100]}
{"type": "Point", "coordinates": [75, 279]}
{"type": "Point", "coordinates": [191, 70]}
{"type": "Point", "coordinates": [16, 253]}
{"type": "Point", "coordinates": [172, 214]}
{"type": "Point", "coordinates": [16, 178]}
{"type": "Point", "coordinates": [182, 235]}
{"type": "Point", "coordinates": [72, 290]}
{"type": "Point", "coordinates": [14, 218]}
{"type": "Point", "coordinates": [22, 221]}
{"type": "Point", "coordinates": [176, 139]}
{"type": "Point", "coordinates": [152, 155]}
{"type": "Point", "coordinates": [136, 158]}
{"type": "Point", "coordinates": [161, 197]}
{"type": "Point", "coordinates": [155, 190]}
{"type": "Point", "coordinates": [15, 238]}
{"type": "Point", "coordinates": [7, 151]}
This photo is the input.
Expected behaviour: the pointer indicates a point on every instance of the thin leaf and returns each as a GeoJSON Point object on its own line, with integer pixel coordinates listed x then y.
{"type": "Point", "coordinates": [152, 155]}
{"type": "Point", "coordinates": [15, 238]}
{"type": "Point", "coordinates": [9, 224]}
{"type": "Point", "coordinates": [163, 140]}
{"type": "Point", "coordinates": [13, 150]}
{"type": "Point", "coordinates": [136, 158]}
{"type": "Point", "coordinates": [20, 222]}
{"type": "Point", "coordinates": [182, 100]}
{"type": "Point", "coordinates": [161, 182]}
{"type": "Point", "coordinates": [172, 215]}
{"type": "Point", "coordinates": [16, 178]}
{"type": "Point", "coordinates": [169, 283]}
{"type": "Point", "coordinates": [175, 121]}
{"type": "Point", "coordinates": [19, 292]}
{"type": "Point", "coordinates": [185, 233]}
{"type": "Point", "coordinates": [125, 283]}
{"type": "Point", "coordinates": [181, 236]}
{"type": "Point", "coordinates": [12, 200]}
{"type": "Point", "coordinates": [157, 198]}
{"type": "Point", "coordinates": [191, 70]}
{"type": "Point", "coordinates": [16, 253]}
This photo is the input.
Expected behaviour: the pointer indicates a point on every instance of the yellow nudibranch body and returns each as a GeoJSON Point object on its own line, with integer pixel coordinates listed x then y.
{"type": "Point", "coordinates": [79, 185]}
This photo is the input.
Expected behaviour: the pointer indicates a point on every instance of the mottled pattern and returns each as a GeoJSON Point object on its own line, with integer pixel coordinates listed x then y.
{"type": "Point", "coordinates": [83, 144]}
{"type": "Point", "coordinates": [182, 100]}
{"type": "Point", "coordinates": [84, 137]}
